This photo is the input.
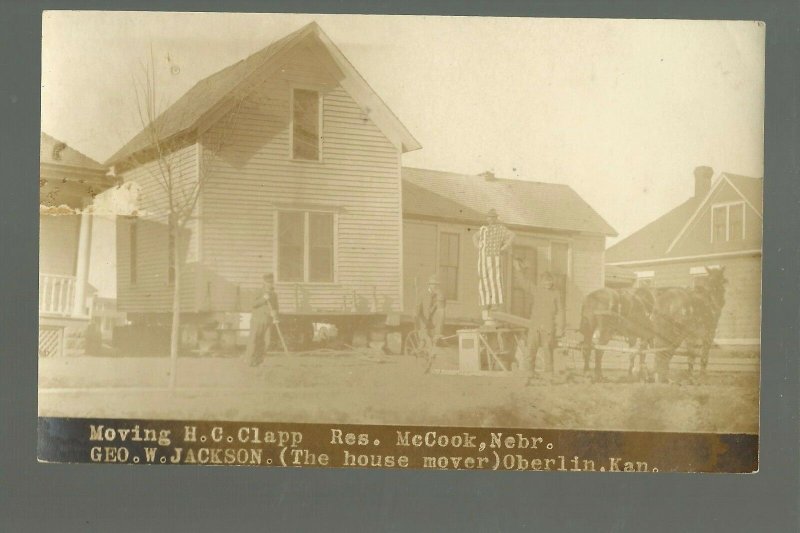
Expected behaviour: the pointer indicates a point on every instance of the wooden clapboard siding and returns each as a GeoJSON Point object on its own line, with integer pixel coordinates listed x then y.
{"type": "Point", "coordinates": [58, 243]}
{"type": "Point", "coordinates": [251, 176]}
{"type": "Point", "coordinates": [741, 315]}
{"type": "Point", "coordinates": [152, 292]}
{"type": "Point", "coordinates": [421, 256]}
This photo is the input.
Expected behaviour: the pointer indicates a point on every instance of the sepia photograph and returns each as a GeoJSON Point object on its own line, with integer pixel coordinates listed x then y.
{"type": "Point", "coordinates": [443, 222]}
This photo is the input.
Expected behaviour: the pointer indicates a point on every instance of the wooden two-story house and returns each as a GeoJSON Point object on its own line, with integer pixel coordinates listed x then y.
{"type": "Point", "coordinates": [298, 164]}
{"type": "Point", "coordinates": [719, 226]}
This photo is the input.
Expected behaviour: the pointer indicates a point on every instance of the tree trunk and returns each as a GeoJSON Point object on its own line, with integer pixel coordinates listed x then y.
{"type": "Point", "coordinates": [175, 336]}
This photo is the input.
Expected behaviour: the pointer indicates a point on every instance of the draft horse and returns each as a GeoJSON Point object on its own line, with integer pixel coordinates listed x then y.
{"type": "Point", "coordinates": [688, 315]}
{"type": "Point", "coordinates": [609, 312]}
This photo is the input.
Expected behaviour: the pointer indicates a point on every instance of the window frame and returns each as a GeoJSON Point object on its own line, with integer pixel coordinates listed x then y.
{"type": "Point", "coordinates": [306, 257]}
{"type": "Point", "coordinates": [457, 266]}
{"type": "Point", "coordinates": [133, 251]}
{"type": "Point", "coordinates": [299, 87]}
{"type": "Point", "coordinates": [648, 275]}
{"type": "Point", "coordinates": [727, 207]}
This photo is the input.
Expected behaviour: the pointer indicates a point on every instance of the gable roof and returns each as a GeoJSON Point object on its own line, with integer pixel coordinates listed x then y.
{"type": "Point", "coordinates": [465, 198]}
{"type": "Point", "coordinates": [54, 152]}
{"type": "Point", "coordinates": [655, 240]}
{"type": "Point", "coordinates": [186, 113]}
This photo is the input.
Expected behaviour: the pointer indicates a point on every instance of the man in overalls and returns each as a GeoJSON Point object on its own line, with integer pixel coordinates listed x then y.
{"type": "Point", "coordinates": [264, 316]}
{"type": "Point", "coordinates": [546, 323]}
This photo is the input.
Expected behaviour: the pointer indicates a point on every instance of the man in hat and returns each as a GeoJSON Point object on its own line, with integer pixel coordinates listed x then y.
{"type": "Point", "coordinates": [546, 323]}
{"type": "Point", "coordinates": [429, 315]}
{"type": "Point", "coordinates": [492, 242]}
{"type": "Point", "coordinates": [264, 316]}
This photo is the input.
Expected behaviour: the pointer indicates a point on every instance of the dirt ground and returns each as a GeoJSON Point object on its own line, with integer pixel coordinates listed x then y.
{"type": "Point", "coordinates": [371, 388]}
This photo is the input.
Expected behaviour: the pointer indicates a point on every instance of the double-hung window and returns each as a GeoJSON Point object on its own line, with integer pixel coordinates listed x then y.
{"type": "Point", "coordinates": [306, 246]}
{"type": "Point", "coordinates": [727, 222]}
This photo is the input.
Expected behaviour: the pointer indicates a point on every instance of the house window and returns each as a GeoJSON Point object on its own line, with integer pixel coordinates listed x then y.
{"type": "Point", "coordinates": [699, 274]}
{"type": "Point", "coordinates": [727, 222]}
{"type": "Point", "coordinates": [306, 118]}
{"type": "Point", "coordinates": [305, 246]}
{"type": "Point", "coordinates": [645, 278]}
{"type": "Point", "coordinates": [448, 264]}
{"type": "Point", "coordinates": [736, 222]}
{"type": "Point", "coordinates": [133, 252]}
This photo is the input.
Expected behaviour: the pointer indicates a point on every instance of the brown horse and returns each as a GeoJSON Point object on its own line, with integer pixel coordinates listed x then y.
{"type": "Point", "coordinates": [609, 312]}
{"type": "Point", "coordinates": [688, 315]}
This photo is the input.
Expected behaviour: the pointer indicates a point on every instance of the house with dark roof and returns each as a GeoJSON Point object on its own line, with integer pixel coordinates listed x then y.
{"type": "Point", "coordinates": [300, 166]}
{"type": "Point", "coordinates": [555, 230]}
{"type": "Point", "coordinates": [719, 226]}
{"type": "Point", "coordinates": [68, 182]}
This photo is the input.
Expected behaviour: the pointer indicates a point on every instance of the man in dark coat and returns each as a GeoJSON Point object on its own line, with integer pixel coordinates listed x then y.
{"type": "Point", "coordinates": [264, 317]}
{"type": "Point", "coordinates": [546, 319]}
{"type": "Point", "coordinates": [430, 310]}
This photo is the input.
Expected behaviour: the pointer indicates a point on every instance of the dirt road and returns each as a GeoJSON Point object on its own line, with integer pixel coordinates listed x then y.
{"type": "Point", "coordinates": [367, 389]}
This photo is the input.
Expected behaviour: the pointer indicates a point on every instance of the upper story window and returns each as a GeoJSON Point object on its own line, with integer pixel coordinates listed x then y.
{"type": "Point", "coordinates": [306, 120]}
{"type": "Point", "coordinates": [305, 246]}
{"type": "Point", "coordinates": [727, 222]}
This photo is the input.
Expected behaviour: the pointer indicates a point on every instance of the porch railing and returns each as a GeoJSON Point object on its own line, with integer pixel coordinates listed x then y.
{"type": "Point", "coordinates": [56, 294]}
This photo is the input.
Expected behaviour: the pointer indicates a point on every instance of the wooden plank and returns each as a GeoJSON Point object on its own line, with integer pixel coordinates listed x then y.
{"type": "Point", "coordinates": [510, 319]}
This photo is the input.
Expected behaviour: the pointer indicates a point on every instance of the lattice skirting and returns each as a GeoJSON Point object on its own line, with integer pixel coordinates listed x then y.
{"type": "Point", "coordinates": [51, 341]}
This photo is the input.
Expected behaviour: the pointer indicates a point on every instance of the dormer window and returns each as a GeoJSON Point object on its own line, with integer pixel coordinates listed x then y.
{"type": "Point", "coordinates": [306, 121]}
{"type": "Point", "coordinates": [727, 222]}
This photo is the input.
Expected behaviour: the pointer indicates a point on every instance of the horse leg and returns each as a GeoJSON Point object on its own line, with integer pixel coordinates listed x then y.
{"type": "Point", "coordinates": [587, 355]}
{"type": "Point", "coordinates": [704, 357]}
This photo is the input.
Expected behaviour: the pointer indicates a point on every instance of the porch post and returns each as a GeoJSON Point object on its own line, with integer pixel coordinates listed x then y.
{"type": "Point", "coordinates": [82, 271]}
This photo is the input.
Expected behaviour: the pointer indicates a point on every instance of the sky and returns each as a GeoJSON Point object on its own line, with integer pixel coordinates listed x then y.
{"type": "Point", "coordinates": [620, 110]}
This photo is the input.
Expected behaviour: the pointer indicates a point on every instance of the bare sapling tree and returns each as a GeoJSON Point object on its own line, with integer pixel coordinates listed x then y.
{"type": "Point", "coordinates": [180, 184]}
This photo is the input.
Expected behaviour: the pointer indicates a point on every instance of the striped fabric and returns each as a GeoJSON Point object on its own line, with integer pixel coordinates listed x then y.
{"type": "Point", "coordinates": [490, 272]}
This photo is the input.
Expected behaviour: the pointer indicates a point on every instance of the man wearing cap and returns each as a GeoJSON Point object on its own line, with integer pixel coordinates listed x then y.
{"type": "Point", "coordinates": [264, 316]}
{"type": "Point", "coordinates": [430, 310]}
{"type": "Point", "coordinates": [546, 323]}
{"type": "Point", "coordinates": [492, 242]}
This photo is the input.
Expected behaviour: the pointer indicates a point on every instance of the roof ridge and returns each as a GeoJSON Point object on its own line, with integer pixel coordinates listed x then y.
{"type": "Point", "coordinates": [551, 183]}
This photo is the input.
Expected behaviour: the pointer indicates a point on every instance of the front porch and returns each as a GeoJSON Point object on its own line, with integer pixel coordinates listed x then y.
{"type": "Point", "coordinates": [63, 319]}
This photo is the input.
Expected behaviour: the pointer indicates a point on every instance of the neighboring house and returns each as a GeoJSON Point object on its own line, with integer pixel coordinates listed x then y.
{"type": "Point", "coordinates": [555, 230]}
{"type": "Point", "coordinates": [300, 167]}
{"type": "Point", "coordinates": [68, 181]}
{"type": "Point", "coordinates": [721, 225]}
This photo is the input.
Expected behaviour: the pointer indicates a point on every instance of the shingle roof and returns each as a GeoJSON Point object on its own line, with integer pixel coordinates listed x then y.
{"type": "Point", "coordinates": [67, 156]}
{"type": "Point", "coordinates": [653, 240]}
{"type": "Point", "coordinates": [184, 115]}
{"type": "Point", "coordinates": [468, 198]}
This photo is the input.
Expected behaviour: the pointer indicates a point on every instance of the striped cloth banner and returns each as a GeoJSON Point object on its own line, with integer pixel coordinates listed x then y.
{"type": "Point", "coordinates": [490, 272]}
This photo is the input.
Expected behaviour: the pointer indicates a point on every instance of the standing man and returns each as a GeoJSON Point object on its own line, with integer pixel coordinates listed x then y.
{"type": "Point", "coordinates": [492, 241]}
{"type": "Point", "coordinates": [264, 316]}
{"type": "Point", "coordinates": [430, 310]}
{"type": "Point", "coordinates": [546, 324]}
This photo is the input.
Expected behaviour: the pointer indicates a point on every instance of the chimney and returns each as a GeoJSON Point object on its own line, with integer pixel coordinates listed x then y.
{"type": "Point", "coordinates": [488, 175]}
{"type": "Point", "coordinates": [702, 181]}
